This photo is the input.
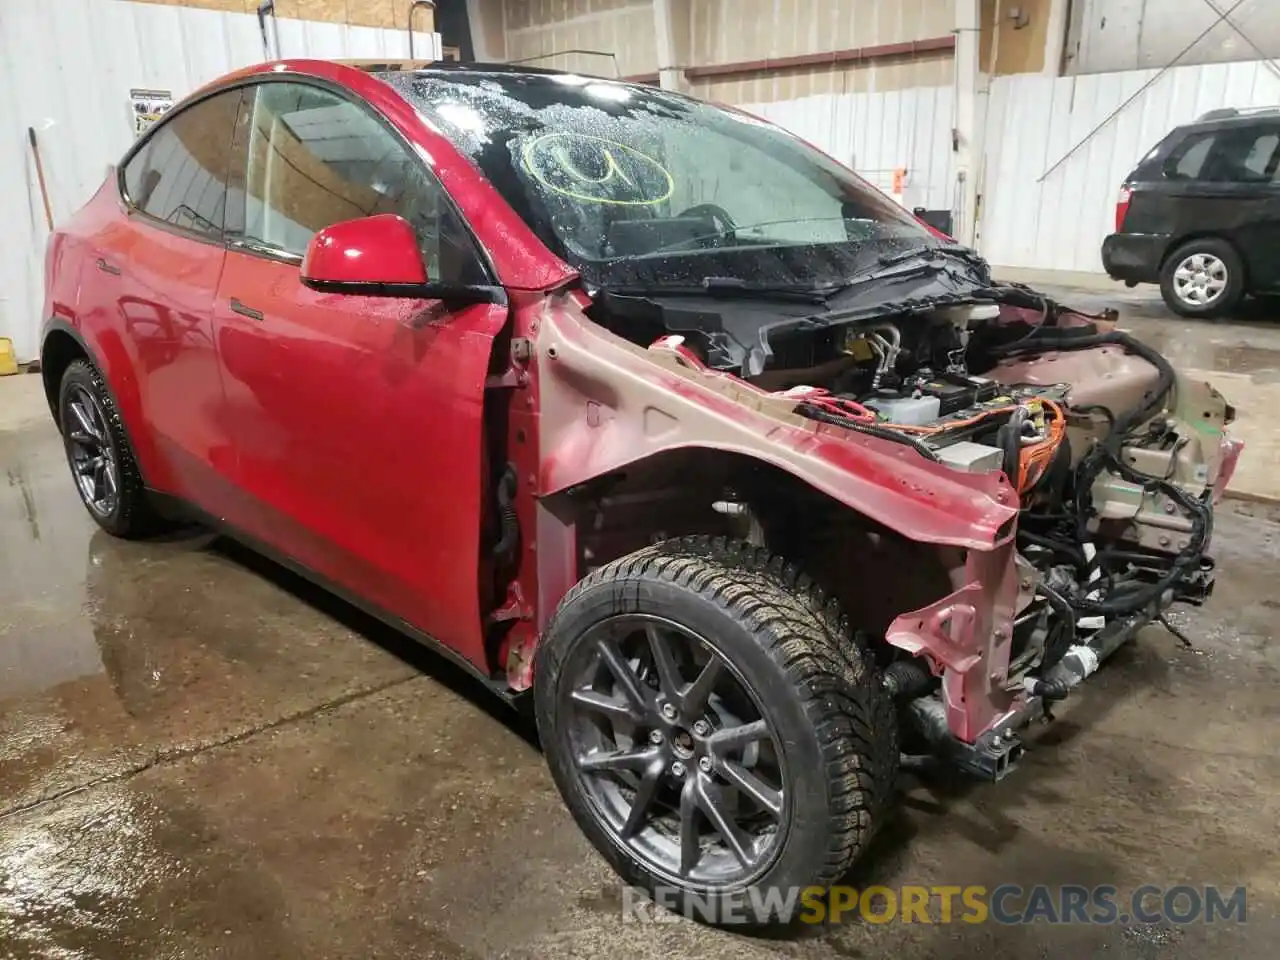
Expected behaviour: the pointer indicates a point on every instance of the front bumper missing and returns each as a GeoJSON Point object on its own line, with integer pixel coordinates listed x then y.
{"type": "Point", "coordinates": [994, 754]}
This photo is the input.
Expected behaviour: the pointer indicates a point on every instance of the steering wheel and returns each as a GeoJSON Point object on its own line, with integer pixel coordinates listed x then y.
{"type": "Point", "coordinates": [718, 215]}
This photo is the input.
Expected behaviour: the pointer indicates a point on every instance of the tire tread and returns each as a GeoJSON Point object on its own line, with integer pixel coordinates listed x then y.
{"type": "Point", "coordinates": [807, 635]}
{"type": "Point", "coordinates": [134, 517]}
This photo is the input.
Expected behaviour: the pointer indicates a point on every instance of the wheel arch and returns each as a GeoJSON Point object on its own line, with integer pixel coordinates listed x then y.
{"type": "Point", "coordinates": [1176, 245]}
{"type": "Point", "coordinates": [62, 344]}
{"type": "Point", "coordinates": [873, 571]}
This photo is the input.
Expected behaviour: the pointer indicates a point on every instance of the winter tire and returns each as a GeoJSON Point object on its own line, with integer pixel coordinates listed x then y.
{"type": "Point", "coordinates": [99, 454]}
{"type": "Point", "coordinates": [713, 728]}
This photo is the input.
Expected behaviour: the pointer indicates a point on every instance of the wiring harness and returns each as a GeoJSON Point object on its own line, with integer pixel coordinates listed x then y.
{"type": "Point", "coordinates": [1118, 594]}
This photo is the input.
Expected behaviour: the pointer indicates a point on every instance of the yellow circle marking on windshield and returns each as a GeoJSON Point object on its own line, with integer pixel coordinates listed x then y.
{"type": "Point", "coordinates": [550, 149]}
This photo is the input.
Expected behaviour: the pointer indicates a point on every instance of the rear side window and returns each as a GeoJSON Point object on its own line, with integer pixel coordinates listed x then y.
{"type": "Point", "coordinates": [179, 175]}
{"type": "Point", "coordinates": [1248, 155]}
{"type": "Point", "coordinates": [1228, 155]}
{"type": "Point", "coordinates": [1186, 162]}
{"type": "Point", "coordinates": [1261, 158]}
{"type": "Point", "coordinates": [313, 158]}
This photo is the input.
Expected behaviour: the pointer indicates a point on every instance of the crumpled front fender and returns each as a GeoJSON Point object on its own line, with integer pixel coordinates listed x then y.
{"type": "Point", "coordinates": [605, 403]}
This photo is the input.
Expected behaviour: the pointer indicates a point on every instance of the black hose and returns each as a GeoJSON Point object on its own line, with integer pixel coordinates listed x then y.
{"type": "Point", "coordinates": [1057, 546]}
{"type": "Point", "coordinates": [1066, 627]}
{"type": "Point", "coordinates": [509, 524]}
{"type": "Point", "coordinates": [906, 678]}
{"type": "Point", "coordinates": [1058, 474]}
{"type": "Point", "coordinates": [871, 430]}
{"type": "Point", "coordinates": [1009, 437]}
{"type": "Point", "coordinates": [1050, 689]}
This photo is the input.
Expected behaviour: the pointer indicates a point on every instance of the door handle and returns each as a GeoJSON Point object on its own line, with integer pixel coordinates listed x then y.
{"type": "Point", "coordinates": [108, 268]}
{"type": "Point", "coordinates": [240, 308]}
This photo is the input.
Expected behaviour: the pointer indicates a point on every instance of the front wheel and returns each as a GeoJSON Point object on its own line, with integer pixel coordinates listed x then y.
{"type": "Point", "coordinates": [713, 729]}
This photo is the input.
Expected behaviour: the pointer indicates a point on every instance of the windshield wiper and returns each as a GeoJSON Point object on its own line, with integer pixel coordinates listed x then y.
{"type": "Point", "coordinates": [932, 252]}
{"type": "Point", "coordinates": [729, 288]}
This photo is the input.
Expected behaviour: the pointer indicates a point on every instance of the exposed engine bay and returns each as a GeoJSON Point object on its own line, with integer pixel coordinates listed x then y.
{"type": "Point", "coordinates": [1115, 458]}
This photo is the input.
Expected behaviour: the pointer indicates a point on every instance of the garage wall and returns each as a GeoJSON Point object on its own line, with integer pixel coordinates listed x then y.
{"type": "Point", "coordinates": [1110, 35]}
{"type": "Point", "coordinates": [363, 13]}
{"type": "Point", "coordinates": [1059, 224]}
{"type": "Point", "coordinates": [621, 27]}
{"type": "Point", "coordinates": [877, 133]}
{"type": "Point", "coordinates": [719, 33]}
{"type": "Point", "coordinates": [726, 31]}
{"type": "Point", "coordinates": [66, 69]}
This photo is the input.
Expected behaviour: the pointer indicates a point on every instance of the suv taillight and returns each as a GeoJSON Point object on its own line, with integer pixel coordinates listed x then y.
{"type": "Point", "coordinates": [1122, 206]}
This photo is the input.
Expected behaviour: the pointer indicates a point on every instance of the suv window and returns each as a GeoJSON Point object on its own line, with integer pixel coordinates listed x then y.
{"type": "Point", "coordinates": [1248, 156]}
{"type": "Point", "coordinates": [179, 174]}
{"type": "Point", "coordinates": [1187, 159]}
{"type": "Point", "coordinates": [1229, 155]}
{"type": "Point", "coordinates": [312, 158]}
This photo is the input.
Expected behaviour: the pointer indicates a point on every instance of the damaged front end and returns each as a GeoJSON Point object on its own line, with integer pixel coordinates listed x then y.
{"type": "Point", "coordinates": [1114, 529]}
{"type": "Point", "coordinates": [1029, 483]}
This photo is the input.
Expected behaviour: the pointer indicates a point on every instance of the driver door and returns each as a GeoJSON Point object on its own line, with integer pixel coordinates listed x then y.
{"type": "Point", "coordinates": [357, 419]}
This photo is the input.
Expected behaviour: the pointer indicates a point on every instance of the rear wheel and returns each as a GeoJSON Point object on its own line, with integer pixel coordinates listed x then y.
{"type": "Point", "coordinates": [98, 453]}
{"type": "Point", "coordinates": [713, 728]}
{"type": "Point", "coordinates": [1203, 278]}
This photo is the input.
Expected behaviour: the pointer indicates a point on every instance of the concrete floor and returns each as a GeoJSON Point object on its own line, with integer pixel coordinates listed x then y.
{"type": "Point", "coordinates": [201, 756]}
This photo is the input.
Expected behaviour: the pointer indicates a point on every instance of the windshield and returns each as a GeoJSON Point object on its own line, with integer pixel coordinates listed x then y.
{"type": "Point", "coordinates": [635, 185]}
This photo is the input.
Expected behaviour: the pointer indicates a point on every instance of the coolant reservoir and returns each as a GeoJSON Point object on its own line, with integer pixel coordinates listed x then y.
{"type": "Point", "coordinates": [912, 411]}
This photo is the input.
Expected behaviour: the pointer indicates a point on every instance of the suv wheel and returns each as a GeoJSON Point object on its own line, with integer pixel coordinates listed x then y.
{"type": "Point", "coordinates": [1203, 278]}
{"type": "Point", "coordinates": [713, 728]}
{"type": "Point", "coordinates": [99, 455]}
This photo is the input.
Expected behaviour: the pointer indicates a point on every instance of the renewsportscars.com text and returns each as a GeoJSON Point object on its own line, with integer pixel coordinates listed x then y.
{"type": "Point", "coordinates": [1006, 904]}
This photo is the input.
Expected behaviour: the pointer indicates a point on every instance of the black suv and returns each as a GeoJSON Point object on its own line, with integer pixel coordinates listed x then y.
{"type": "Point", "coordinates": [1201, 213]}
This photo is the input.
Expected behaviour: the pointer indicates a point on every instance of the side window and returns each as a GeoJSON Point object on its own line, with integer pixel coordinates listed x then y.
{"type": "Point", "coordinates": [1187, 159]}
{"type": "Point", "coordinates": [179, 175]}
{"type": "Point", "coordinates": [313, 159]}
{"type": "Point", "coordinates": [1247, 155]}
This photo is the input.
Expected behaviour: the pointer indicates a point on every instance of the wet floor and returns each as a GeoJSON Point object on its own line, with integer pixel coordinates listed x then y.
{"type": "Point", "coordinates": [1247, 342]}
{"type": "Point", "coordinates": [200, 756]}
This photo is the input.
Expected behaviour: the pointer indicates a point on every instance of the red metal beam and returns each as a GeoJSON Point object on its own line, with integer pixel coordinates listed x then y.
{"type": "Point", "coordinates": [829, 58]}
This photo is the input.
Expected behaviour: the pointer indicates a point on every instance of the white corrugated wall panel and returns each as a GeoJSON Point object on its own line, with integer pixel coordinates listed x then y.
{"type": "Point", "coordinates": [66, 69]}
{"type": "Point", "coordinates": [1113, 35]}
{"type": "Point", "coordinates": [877, 133]}
{"type": "Point", "coordinates": [1059, 224]}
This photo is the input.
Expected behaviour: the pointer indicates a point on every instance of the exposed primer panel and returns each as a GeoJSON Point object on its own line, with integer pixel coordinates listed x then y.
{"type": "Point", "coordinates": [878, 133]}
{"type": "Point", "coordinates": [66, 69]}
{"type": "Point", "coordinates": [1059, 224]}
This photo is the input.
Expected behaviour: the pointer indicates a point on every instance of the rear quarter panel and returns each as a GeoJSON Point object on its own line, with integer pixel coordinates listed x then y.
{"type": "Point", "coordinates": [80, 299]}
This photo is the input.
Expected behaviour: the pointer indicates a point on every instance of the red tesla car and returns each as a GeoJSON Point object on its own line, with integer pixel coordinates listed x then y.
{"type": "Point", "coordinates": [641, 404]}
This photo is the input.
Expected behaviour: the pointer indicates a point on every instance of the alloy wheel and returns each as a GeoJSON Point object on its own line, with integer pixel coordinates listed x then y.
{"type": "Point", "coordinates": [89, 448]}
{"type": "Point", "coordinates": [674, 751]}
{"type": "Point", "coordinates": [1200, 279]}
